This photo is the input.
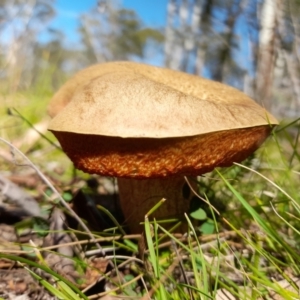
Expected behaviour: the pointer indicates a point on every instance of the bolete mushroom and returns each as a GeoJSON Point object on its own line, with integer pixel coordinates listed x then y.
{"type": "Point", "coordinates": [150, 127]}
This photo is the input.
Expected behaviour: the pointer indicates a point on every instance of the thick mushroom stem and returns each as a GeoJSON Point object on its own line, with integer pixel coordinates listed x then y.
{"type": "Point", "coordinates": [138, 196]}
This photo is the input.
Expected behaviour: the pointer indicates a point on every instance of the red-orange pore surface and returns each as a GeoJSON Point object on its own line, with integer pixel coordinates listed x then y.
{"type": "Point", "coordinates": [149, 157]}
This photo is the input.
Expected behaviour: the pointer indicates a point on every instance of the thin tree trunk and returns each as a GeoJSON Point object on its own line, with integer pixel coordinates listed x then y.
{"type": "Point", "coordinates": [224, 56]}
{"type": "Point", "coordinates": [196, 31]}
{"type": "Point", "coordinates": [266, 50]}
{"type": "Point", "coordinates": [184, 46]}
{"type": "Point", "coordinates": [170, 33]}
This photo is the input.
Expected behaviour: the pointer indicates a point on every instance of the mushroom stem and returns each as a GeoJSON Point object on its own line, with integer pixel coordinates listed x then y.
{"type": "Point", "coordinates": [138, 196]}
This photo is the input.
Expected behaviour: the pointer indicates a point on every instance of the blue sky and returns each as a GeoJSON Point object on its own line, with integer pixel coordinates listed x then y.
{"type": "Point", "coordinates": [151, 12]}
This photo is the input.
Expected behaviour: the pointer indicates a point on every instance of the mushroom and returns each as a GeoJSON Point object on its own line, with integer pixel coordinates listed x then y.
{"type": "Point", "coordinates": [150, 127]}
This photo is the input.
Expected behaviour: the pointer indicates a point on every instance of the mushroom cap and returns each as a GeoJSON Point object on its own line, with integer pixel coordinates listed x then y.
{"type": "Point", "coordinates": [133, 120]}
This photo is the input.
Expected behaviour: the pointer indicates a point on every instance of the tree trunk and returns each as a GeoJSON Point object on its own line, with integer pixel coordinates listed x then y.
{"type": "Point", "coordinates": [266, 50]}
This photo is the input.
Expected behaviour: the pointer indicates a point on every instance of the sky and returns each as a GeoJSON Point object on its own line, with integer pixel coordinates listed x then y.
{"type": "Point", "coordinates": [151, 12]}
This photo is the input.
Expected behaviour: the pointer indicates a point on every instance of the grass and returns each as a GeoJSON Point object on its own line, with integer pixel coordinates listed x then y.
{"type": "Point", "coordinates": [253, 209]}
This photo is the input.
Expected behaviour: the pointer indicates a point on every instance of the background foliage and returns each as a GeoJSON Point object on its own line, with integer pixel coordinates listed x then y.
{"type": "Point", "coordinates": [253, 45]}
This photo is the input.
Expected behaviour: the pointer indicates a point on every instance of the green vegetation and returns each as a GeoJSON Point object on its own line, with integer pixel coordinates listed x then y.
{"type": "Point", "coordinates": [252, 208]}
{"type": "Point", "coordinates": [243, 236]}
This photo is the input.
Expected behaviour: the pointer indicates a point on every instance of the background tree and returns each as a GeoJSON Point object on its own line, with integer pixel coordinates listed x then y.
{"type": "Point", "coordinates": [252, 45]}
{"type": "Point", "coordinates": [203, 35]}
{"type": "Point", "coordinates": [108, 32]}
{"type": "Point", "coordinates": [115, 33]}
{"type": "Point", "coordinates": [248, 44]}
{"type": "Point", "coordinates": [22, 21]}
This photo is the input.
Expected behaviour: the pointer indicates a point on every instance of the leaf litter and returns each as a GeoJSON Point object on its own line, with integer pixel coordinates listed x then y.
{"type": "Point", "coordinates": [50, 236]}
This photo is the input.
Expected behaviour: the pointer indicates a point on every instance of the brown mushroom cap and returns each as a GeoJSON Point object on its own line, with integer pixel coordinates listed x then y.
{"type": "Point", "coordinates": [132, 120]}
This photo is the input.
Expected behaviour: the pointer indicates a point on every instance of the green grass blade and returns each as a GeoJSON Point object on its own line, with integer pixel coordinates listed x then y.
{"type": "Point", "coordinates": [45, 269]}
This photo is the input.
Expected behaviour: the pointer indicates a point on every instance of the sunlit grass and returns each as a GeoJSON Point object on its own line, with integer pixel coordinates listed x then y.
{"type": "Point", "coordinates": [264, 214]}
{"type": "Point", "coordinates": [258, 206]}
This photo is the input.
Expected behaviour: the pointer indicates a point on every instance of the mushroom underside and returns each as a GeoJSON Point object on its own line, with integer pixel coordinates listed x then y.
{"type": "Point", "coordinates": [151, 169]}
{"type": "Point", "coordinates": [156, 158]}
